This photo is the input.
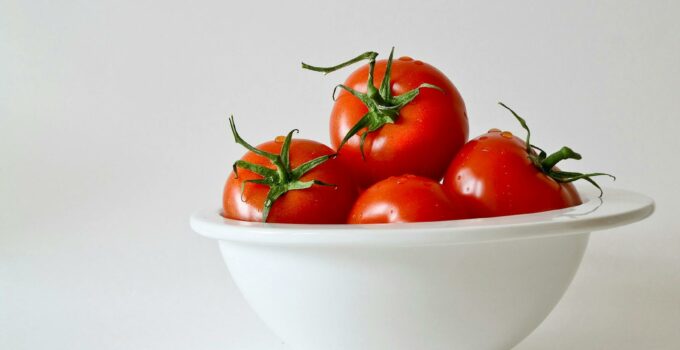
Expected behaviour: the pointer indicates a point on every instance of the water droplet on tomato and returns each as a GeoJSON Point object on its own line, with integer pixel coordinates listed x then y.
{"type": "Point", "coordinates": [418, 62]}
{"type": "Point", "coordinates": [280, 139]}
{"type": "Point", "coordinates": [405, 58]}
{"type": "Point", "coordinates": [506, 134]}
{"type": "Point", "coordinates": [494, 130]}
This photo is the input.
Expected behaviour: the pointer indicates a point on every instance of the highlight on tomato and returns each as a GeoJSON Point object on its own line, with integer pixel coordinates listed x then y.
{"type": "Point", "coordinates": [500, 174]}
{"type": "Point", "coordinates": [406, 198]}
{"type": "Point", "coordinates": [394, 117]}
{"type": "Point", "coordinates": [288, 181]}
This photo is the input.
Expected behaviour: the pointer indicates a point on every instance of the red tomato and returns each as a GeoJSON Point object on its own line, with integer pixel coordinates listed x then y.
{"type": "Point", "coordinates": [406, 198]}
{"type": "Point", "coordinates": [420, 137]}
{"type": "Point", "coordinates": [325, 202]}
{"type": "Point", "coordinates": [499, 174]}
{"type": "Point", "coordinates": [492, 176]}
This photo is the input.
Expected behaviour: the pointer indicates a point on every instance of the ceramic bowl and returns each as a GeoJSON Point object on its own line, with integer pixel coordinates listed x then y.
{"type": "Point", "coordinates": [466, 284]}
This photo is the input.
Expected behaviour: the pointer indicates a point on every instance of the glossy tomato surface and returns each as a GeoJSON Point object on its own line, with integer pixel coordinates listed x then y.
{"type": "Point", "coordinates": [493, 176]}
{"type": "Point", "coordinates": [406, 198]}
{"type": "Point", "coordinates": [423, 140]}
{"type": "Point", "coordinates": [315, 205]}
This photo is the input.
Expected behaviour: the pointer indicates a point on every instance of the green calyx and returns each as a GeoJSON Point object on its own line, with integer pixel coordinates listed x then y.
{"type": "Point", "coordinates": [283, 178]}
{"type": "Point", "coordinates": [546, 163]}
{"type": "Point", "coordinates": [383, 108]}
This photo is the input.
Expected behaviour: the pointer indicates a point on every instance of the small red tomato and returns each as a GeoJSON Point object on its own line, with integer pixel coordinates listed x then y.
{"type": "Point", "coordinates": [406, 198]}
{"type": "Point", "coordinates": [288, 181]}
{"type": "Point", "coordinates": [413, 122]}
{"type": "Point", "coordinates": [499, 174]}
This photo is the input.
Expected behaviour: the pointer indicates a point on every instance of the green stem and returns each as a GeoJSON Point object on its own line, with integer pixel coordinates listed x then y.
{"type": "Point", "coordinates": [523, 123]}
{"type": "Point", "coordinates": [371, 91]}
{"type": "Point", "coordinates": [383, 108]}
{"type": "Point", "coordinates": [385, 86]}
{"type": "Point", "coordinates": [370, 55]}
{"type": "Point", "coordinates": [564, 153]}
{"type": "Point", "coordinates": [281, 170]}
{"type": "Point", "coordinates": [283, 178]}
{"type": "Point", "coordinates": [245, 144]}
{"type": "Point", "coordinates": [546, 163]}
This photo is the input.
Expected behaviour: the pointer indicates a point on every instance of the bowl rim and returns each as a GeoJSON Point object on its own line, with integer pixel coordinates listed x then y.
{"type": "Point", "coordinates": [617, 207]}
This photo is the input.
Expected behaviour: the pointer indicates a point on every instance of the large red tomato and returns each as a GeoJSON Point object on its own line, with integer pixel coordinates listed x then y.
{"type": "Point", "coordinates": [288, 181]}
{"type": "Point", "coordinates": [414, 122]}
{"type": "Point", "coordinates": [406, 198]}
{"type": "Point", "coordinates": [499, 174]}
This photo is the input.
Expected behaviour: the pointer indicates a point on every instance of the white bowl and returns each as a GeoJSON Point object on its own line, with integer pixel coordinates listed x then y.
{"type": "Point", "coordinates": [467, 284]}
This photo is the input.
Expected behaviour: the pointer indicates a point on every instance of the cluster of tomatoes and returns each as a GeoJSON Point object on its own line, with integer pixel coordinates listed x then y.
{"type": "Point", "coordinates": [400, 153]}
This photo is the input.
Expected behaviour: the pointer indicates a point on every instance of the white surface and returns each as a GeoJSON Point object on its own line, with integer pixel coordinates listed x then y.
{"type": "Point", "coordinates": [468, 284]}
{"type": "Point", "coordinates": [113, 129]}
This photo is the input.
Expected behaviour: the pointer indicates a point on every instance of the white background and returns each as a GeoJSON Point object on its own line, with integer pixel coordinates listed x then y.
{"type": "Point", "coordinates": [113, 129]}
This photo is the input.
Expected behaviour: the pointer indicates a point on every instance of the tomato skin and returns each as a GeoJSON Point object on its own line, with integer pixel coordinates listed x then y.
{"type": "Point", "coordinates": [423, 140]}
{"type": "Point", "coordinates": [406, 198]}
{"type": "Point", "coordinates": [492, 176]}
{"type": "Point", "coordinates": [314, 205]}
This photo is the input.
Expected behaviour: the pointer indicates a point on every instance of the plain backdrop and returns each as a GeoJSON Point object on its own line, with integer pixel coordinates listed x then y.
{"type": "Point", "coordinates": [113, 129]}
